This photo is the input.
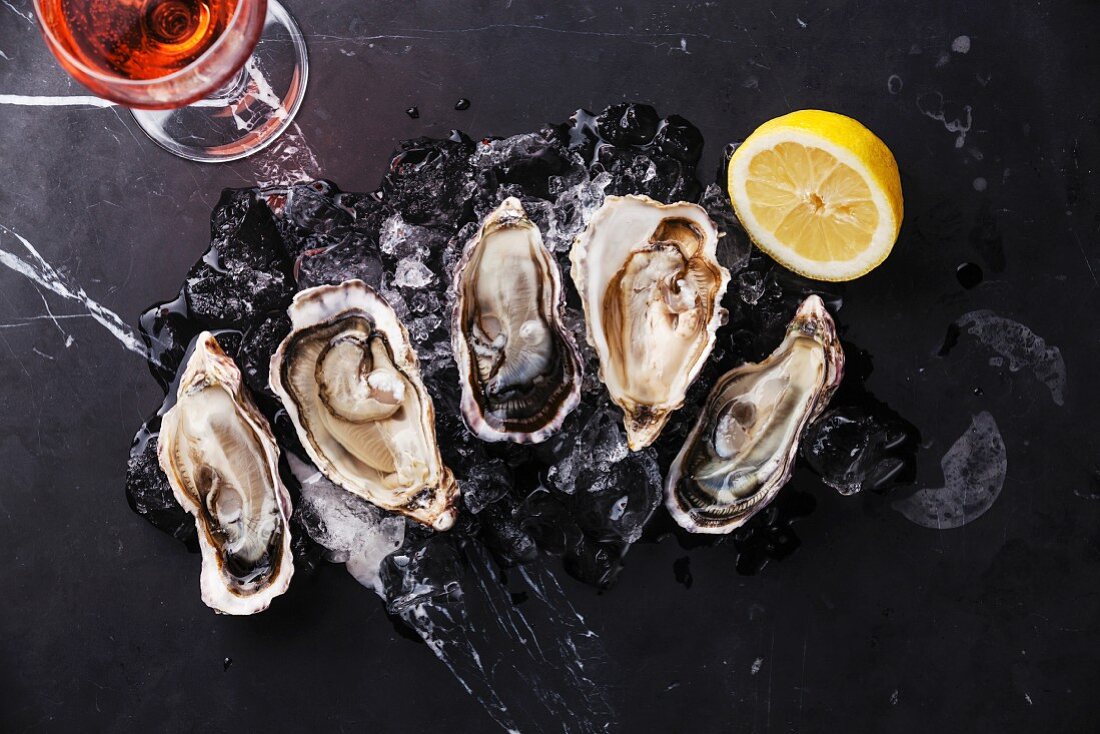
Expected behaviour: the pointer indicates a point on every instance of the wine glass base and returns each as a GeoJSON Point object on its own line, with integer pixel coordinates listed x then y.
{"type": "Point", "coordinates": [250, 111]}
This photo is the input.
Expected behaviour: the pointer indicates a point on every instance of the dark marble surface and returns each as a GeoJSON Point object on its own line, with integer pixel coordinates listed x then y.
{"type": "Point", "coordinates": [874, 624]}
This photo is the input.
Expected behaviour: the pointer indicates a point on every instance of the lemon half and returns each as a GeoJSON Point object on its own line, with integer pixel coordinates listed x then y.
{"type": "Point", "coordinates": [819, 193]}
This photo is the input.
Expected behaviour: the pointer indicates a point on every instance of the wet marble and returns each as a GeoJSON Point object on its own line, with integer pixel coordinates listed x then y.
{"type": "Point", "coordinates": [986, 626]}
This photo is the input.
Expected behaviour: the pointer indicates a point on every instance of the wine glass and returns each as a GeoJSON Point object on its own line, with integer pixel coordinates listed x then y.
{"type": "Point", "coordinates": [208, 80]}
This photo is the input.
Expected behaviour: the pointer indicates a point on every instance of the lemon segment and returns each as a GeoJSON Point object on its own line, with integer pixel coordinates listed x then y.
{"type": "Point", "coordinates": [819, 193]}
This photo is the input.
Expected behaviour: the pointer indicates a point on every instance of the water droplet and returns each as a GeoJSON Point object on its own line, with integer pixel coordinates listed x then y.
{"type": "Point", "coordinates": [969, 275]}
{"type": "Point", "coordinates": [227, 663]}
{"type": "Point", "coordinates": [462, 104]}
{"type": "Point", "coordinates": [413, 112]}
{"type": "Point", "coordinates": [980, 184]}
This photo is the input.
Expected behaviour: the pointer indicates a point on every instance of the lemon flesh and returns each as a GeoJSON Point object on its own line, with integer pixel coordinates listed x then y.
{"type": "Point", "coordinates": [819, 193]}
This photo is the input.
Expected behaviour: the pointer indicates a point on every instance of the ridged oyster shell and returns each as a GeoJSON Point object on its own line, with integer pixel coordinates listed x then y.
{"type": "Point", "coordinates": [651, 287]}
{"type": "Point", "coordinates": [221, 460]}
{"type": "Point", "coordinates": [350, 382]}
{"type": "Point", "coordinates": [743, 446]}
{"type": "Point", "coordinates": [518, 365]}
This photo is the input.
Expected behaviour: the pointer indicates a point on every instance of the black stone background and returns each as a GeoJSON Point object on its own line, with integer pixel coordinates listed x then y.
{"type": "Point", "coordinates": [874, 624]}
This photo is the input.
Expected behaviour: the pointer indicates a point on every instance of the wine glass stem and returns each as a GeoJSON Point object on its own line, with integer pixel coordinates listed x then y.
{"type": "Point", "coordinates": [234, 88]}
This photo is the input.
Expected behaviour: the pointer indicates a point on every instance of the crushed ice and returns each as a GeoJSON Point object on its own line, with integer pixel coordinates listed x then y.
{"type": "Point", "coordinates": [352, 530]}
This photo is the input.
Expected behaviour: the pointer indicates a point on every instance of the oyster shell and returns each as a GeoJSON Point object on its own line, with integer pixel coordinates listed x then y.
{"type": "Point", "coordinates": [222, 464]}
{"type": "Point", "coordinates": [651, 288]}
{"type": "Point", "coordinates": [742, 448]}
{"type": "Point", "coordinates": [350, 382]}
{"type": "Point", "coordinates": [518, 365]}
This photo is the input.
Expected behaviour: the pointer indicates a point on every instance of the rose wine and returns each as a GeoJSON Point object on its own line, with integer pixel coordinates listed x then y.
{"type": "Point", "coordinates": [138, 39]}
{"type": "Point", "coordinates": [193, 72]}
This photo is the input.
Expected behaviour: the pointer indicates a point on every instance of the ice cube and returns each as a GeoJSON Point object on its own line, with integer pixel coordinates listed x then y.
{"type": "Point", "coordinates": [411, 273]}
{"type": "Point", "coordinates": [353, 530]}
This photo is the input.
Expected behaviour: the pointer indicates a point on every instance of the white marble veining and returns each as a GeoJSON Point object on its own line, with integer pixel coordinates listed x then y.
{"type": "Point", "coordinates": [32, 266]}
{"type": "Point", "coordinates": [76, 100]}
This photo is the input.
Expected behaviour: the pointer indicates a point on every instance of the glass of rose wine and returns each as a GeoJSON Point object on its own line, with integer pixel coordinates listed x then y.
{"type": "Point", "coordinates": [208, 80]}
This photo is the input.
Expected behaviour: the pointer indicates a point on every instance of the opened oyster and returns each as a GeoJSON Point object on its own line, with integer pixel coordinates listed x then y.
{"type": "Point", "coordinates": [518, 365]}
{"type": "Point", "coordinates": [222, 463]}
{"type": "Point", "coordinates": [742, 448]}
{"type": "Point", "coordinates": [350, 382]}
{"type": "Point", "coordinates": [651, 288]}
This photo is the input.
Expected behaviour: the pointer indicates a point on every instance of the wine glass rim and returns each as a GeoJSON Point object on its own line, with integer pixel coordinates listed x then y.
{"type": "Point", "coordinates": [120, 81]}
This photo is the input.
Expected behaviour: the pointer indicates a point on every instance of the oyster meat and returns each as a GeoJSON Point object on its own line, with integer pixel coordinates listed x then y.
{"type": "Point", "coordinates": [350, 382]}
{"type": "Point", "coordinates": [518, 364]}
{"type": "Point", "coordinates": [651, 288]}
{"type": "Point", "coordinates": [222, 463]}
{"type": "Point", "coordinates": [742, 448]}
